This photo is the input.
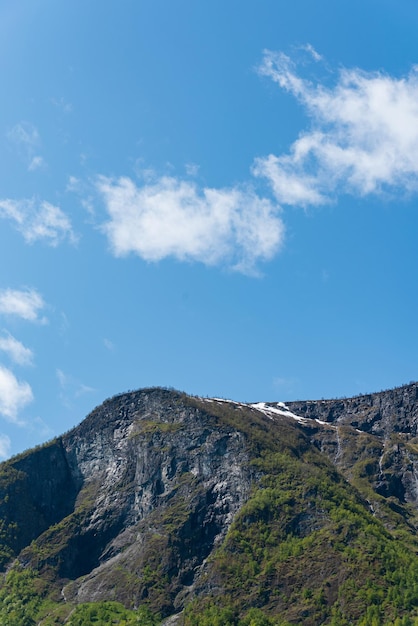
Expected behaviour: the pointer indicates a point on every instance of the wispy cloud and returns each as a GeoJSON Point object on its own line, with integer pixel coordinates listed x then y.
{"type": "Point", "coordinates": [71, 388]}
{"type": "Point", "coordinates": [24, 134]}
{"type": "Point", "coordinates": [5, 446]}
{"type": "Point", "coordinates": [63, 104]}
{"type": "Point", "coordinates": [74, 184]}
{"type": "Point", "coordinates": [83, 190]}
{"type": "Point", "coordinates": [36, 163]}
{"type": "Point", "coordinates": [26, 139]}
{"type": "Point", "coordinates": [38, 221]}
{"type": "Point", "coordinates": [363, 136]}
{"type": "Point", "coordinates": [16, 350]}
{"type": "Point", "coordinates": [174, 218]}
{"type": "Point", "coordinates": [24, 303]}
{"type": "Point", "coordinates": [62, 378]}
{"type": "Point", "coordinates": [311, 50]}
{"type": "Point", "coordinates": [15, 395]}
{"type": "Point", "coordinates": [192, 169]}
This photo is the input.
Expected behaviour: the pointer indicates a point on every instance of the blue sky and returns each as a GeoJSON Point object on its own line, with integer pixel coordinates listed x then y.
{"type": "Point", "coordinates": [220, 197]}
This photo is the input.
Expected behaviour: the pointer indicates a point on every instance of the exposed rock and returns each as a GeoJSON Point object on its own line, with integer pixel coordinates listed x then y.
{"type": "Point", "coordinates": [143, 477]}
{"type": "Point", "coordinates": [133, 503]}
{"type": "Point", "coordinates": [390, 419]}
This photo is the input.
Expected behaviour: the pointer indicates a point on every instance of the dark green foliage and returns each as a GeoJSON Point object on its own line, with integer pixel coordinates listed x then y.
{"type": "Point", "coordinates": [23, 602]}
{"type": "Point", "coordinates": [213, 615]}
{"type": "Point", "coordinates": [20, 598]}
{"type": "Point", "coordinates": [109, 613]}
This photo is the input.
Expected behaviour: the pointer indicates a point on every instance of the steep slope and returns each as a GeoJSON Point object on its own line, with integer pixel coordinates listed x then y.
{"type": "Point", "coordinates": [213, 510]}
{"type": "Point", "coordinates": [373, 440]}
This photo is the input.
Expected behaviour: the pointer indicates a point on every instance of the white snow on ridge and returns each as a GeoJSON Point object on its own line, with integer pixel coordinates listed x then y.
{"type": "Point", "coordinates": [229, 401]}
{"type": "Point", "coordinates": [282, 409]}
{"type": "Point", "coordinates": [271, 412]}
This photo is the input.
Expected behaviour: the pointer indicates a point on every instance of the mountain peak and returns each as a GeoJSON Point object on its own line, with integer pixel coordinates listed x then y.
{"type": "Point", "coordinates": [167, 501]}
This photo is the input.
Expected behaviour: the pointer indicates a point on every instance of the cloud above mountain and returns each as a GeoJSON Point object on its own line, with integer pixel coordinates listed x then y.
{"type": "Point", "coordinates": [362, 138]}
{"type": "Point", "coordinates": [17, 352]}
{"type": "Point", "coordinates": [24, 303]}
{"type": "Point", "coordinates": [363, 135]}
{"type": "Point", "coordinates": [170, 217]}
{"type": "Point", "coordinates": [38, 220]}
{"type": "Point", "coordinates": [14, 395]}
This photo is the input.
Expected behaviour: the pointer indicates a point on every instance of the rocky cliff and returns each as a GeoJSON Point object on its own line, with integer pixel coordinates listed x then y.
{"type": "Point", "coordinates": [184, 505]}
{"type": "Point", "coordinates": [379, 429]}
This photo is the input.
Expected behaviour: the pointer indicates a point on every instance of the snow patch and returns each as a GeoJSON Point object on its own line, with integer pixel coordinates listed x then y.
{"type": "Point", "coordinates": [279, 409]}
{"type": "Point", "coordinates": [271, 411]}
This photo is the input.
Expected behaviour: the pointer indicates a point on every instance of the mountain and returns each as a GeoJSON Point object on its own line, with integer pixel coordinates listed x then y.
{"type": "Point", "coordinates": [163, 507]}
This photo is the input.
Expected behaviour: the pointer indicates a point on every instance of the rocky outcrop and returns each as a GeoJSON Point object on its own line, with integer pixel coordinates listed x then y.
{"type": "Point", "coordinates": [380, 414]}
{"type": "Point", "coordinates": [36, 491]}
{"type": "Point", "coordinates": [377, 430]}
{"type": "Point", "coordinates": [145, 483]}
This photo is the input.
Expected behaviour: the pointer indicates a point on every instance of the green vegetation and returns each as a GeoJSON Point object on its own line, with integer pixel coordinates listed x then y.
{"type": "Point", "coordinates": [305, 547]}
{"type": "Point", "coordinates": [213, 615]}
{"type": "Point", "coordinates": [311, 545]}
{"type": "Point", "coordinates": [24, 602]}
{"type": "Point", "coordinates": [103, 613]}
{"type": "Point", "coordinates": [20, 598]}
{"type": "Point", "coordinates": [149, 427]}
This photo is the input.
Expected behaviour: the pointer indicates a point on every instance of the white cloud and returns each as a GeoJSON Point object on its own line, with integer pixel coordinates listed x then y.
{"type": "Point", "coordinates": [62, 378]}
{"type": "Point", "coordinates": [363, 137]}
{"type": "Point", "coordinates": [36, 163]}
{"type": "Point", "coordinates": [311, 50]}
{"type": "Point", "coordinates": [74, 184]}
{"type": "Point", "coordinates": [14, 394]}
{"type": "Point", "coordinates": [38, 220]}
{"type": "Point", "coordinates": [192, 169]}
{"type": "Point", "coordinates": [5, 446]}
{"type": "Point", "coordinates": [25, 303]}
{"type": "Point", "coordinates": [26, 138]}
{"type": "Point", "coordinates": [173, 218]}
{"type": "Point", "coordinates": [24, 134]}
{"type": "Point", "coordinates": [16, 350]}
{"type": "Point", "coordinates": [82, 190]}
{"type": "Point", "coordinates": [291, 185]}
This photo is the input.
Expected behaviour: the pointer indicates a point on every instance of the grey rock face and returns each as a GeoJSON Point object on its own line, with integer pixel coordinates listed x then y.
{"type": "Point", "coordinates": [381, 414]}
{"type": "Point", "coordinates": [380, 427]}
{"type": "Point", "coordinates": [36, 491]}
{"type": "Point", "coordinates": [150, 481]}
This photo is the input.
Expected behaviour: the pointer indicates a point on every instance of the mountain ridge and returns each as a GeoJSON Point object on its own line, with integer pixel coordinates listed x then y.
{"type": "Point", "coordinates": [179, 505]}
